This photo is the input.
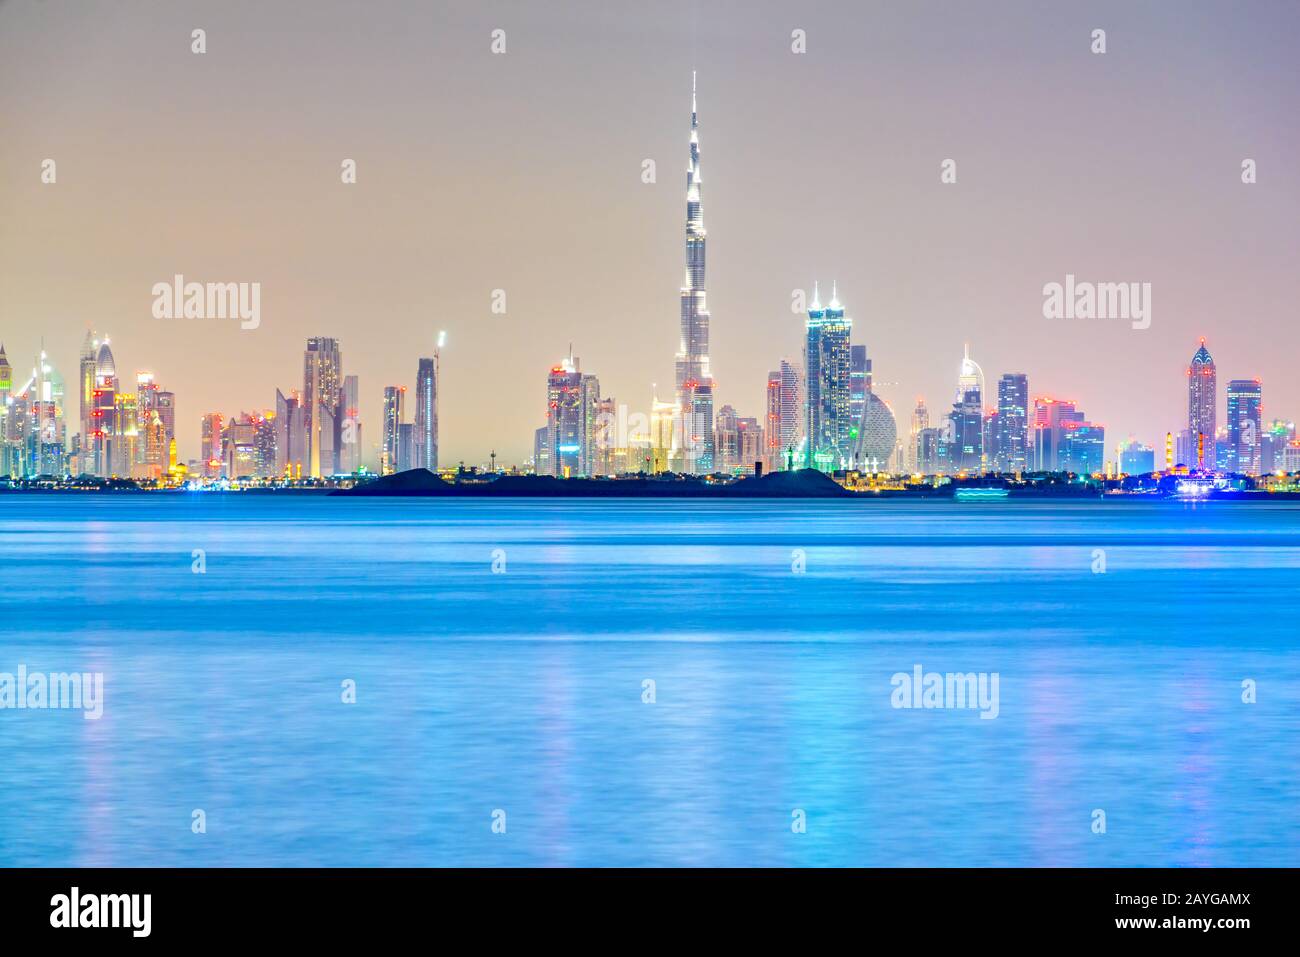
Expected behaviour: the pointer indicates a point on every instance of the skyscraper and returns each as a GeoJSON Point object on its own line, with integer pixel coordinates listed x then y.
{"type": "Point", "coordinates": [210, 433]}
{"type": "Point", "coordinates": [1202, 381]}
{"type": "Point", "coordinates": [104, 427]}
{"type": "Point", "coordinates": [564, 417]}
{"type": "Point", "coordinates": [350, 425]}
{"type": "Point", "coordinates": [860, 383]}
{"type": "Point", "coordinates": [726, 443]}
{"type": "Point", "coordinates": [86, 380]}
{"type": "Point", "coordinates": [920, 423]}
{"type": "Point", "coordinates": [1245, 426]}
{"type": "Point", "coordinates": [751, 447]}
{"type": "Point", "coordinates": [426, 415]}
{"type": "Point", "coordinates": [394, 414]}
{"type": "Point", "coordinates": [1013, 422]}
{"type": "Point", "coordinates": [827, 360]}
{"type": "Point", "coordinates": [693, 445]}
{"type": "Point", "coordinates": [964, 437]}
{"type": "Point", "coordinates": [322, 380]}
{"type": "Point", "coordinates": [290, 436]}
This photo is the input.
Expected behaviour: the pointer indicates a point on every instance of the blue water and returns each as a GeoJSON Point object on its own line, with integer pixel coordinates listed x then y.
{"type": "Point", "coordinates": [521, 691]}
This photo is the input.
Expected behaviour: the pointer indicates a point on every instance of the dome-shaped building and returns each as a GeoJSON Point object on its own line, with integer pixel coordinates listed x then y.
{"type": "Point", "coordinates": [877, 433]}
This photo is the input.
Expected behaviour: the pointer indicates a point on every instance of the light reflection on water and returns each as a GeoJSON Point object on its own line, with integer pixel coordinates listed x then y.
{"type": "Point", "coordinates": [522, 691]}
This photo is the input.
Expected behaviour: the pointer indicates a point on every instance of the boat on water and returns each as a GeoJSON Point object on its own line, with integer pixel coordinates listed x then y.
{"type": "Point", "coordinates": [980, 494]}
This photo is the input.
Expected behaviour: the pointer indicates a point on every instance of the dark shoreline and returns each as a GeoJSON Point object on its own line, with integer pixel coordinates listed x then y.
{"type": "Point", "coordinates": [806, 484]}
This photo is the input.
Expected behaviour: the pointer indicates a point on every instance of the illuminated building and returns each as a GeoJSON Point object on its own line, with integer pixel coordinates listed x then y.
{"type": "Point", "coordinates": [991, 439]}
{"type": "Point", "coordinates": [210, 430]}
{"type": "Point", "coordinates": [920, 422]}
{"type": "Point", "coordinates": [1277, 435]}
{"type": "Point", "coordinates": [1245, 427]}
{"type": "Point", "coordinates": [1012, 423]}
{"type": "Point", "coordinates": [726, 442]}
{"type": "Point", "coordinates": [964, 436]}
{"type": "Point", "coordinates": [264, 445]}
{"type": "Point", "coordinates": [394, 413]}
{"type": "Point", "coordinates": [859, 384]}
{"type": "Point", "coordinates": [290, 435]}
{"type": "Point", "coordinates": [542, 451]}
{"type": "Point", "coordinates": [828, 362]}
{"type": "Point", "coordinates": [239, 447]}
{"type": "Point", "coordinates": [350, 425]}
{"type": "Point", "coordinates": [929, 451]}
{"type": "Point", "coordinates": [104, 428]}
{"type": "Point", "coordinates": [8, 465]}
{"type": "Point", "coordinates": [785, 416]}
{"type": "Point", "coordinates": [772, 453]}
{"type": "Point", "coordinates": [426, 414]}
{"type": "Point", "coordinates": [405, 452]}
{"type": "Point", "coordinates": [1202, 383]}
{"type": "Point", "coordinates": [130, 445]}
{"type": "Point", "coordinates": [589, 400]}
{"type": "Point", "coordinates": [1082, 448]}
{"type": "Point", "coordinates": [693, 444]}
{"type": "Point", "coordinates": [876, 436]}
{"type": "Point", "coordinates": [565, 418]}
{"type": "Point", "coordinates": [86, 382]}
{"type": "Point", "coordinates": [1137, 459]}
{"type": "Point", "coordinates": [749, 433]}
{"type": "Point", "coordinates": [322, 382]}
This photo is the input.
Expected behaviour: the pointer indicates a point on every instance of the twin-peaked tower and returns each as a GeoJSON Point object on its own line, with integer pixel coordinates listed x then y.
{"type": "Point", "coordinates": [693, 439]}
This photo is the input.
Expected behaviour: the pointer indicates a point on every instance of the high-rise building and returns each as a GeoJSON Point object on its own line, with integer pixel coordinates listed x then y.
{"type": "Point", "coordinates": [104, 427]}
{"type": "Point", "coordinates": [693, 444]}
{"type": "Point", "coordinates": [785, 416]}
{"type": "Point", "coordinates": [859, 385]}
{"type": "Point", "coordinates": [591, 437]}
{"type": "Point", "coordinates": [1013, 423]}
{"type": "Point", "coordinates": [322, 381]}
{"type": "Point", "coordinates": [565, 417]}
{"type": "Point", "coordinates": [964, 435]}
{"type": "Point", "coordinates": [772, 453]}
{"type": "Point", "coordinates": [210, 432]}
{"type": "Point", "coordinates": [827, 360]}
{"type": "Point", "coordinates": [542, 451]}
{"type": "Point", "coordinates": [930, 451]}
{"type": "Point", "coordinates": [426, 414]}
{"type": "Point", "coordinates": [350, 427]}
{"type": "Point", "coordinates": [86, 381]}
{"type": "Point", "coordinates": [7, 464]}
{"type": "Point", "coordinates": [726, 443]}
{"type": "Point", "coordinates": [405, 452]}
{"type": "Point", "coordinates": [1082, 448]}
{"type": "Point", "coordinates": [1202, 381]}
{"type": "Point", "coordinates": [290, 436]}
{"type": "Point", "coordinates": [749, 433]}
{"type": "Point", "coordinates": [1245, 427]}
{"type": "Point", "coordinates": [1277, 436]}
{"type": "Point", "coordinates": [920, 422]}
{"type": "Point", "coordinates": [394, 414]}
{"type": "Point", "coordinates": [1137, 459]}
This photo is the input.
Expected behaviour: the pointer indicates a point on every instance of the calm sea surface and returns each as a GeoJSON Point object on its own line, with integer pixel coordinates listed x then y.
{"type": "Point", "coordinates": [521, 690]}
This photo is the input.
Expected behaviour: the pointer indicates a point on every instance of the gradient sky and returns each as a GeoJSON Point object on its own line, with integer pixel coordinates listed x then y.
{"type": "Point", "coordinates": [522, 172]}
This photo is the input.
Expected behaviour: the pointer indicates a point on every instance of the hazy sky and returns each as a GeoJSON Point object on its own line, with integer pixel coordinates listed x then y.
{"type": "Point", "coordinates": [522, 172]}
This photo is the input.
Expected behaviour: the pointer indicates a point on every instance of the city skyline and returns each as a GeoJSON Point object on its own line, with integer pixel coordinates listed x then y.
{"type": "Point", "coordinates": [923, 271]}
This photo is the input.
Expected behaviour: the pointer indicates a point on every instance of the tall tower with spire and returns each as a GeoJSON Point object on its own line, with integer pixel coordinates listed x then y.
{"type": "Point", "coordinates": [693, 443]}
{"type": "Point", "coordinates": [1202, 392]}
